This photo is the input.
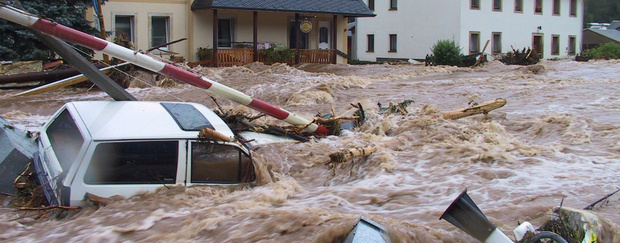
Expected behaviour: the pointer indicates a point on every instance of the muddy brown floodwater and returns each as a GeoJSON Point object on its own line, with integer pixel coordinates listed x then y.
{"type": "Point", "coordinates": [558, 138]}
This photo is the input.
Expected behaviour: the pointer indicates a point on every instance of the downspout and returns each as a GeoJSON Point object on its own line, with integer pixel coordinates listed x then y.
{"type": "Point", "coordinates": [190, 32]}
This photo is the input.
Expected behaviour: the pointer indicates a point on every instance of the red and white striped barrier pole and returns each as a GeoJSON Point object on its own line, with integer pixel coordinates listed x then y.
{"type": "Point", "coordinates": [46, 26]}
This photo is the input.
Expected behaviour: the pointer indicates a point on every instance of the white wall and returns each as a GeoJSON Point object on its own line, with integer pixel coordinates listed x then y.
{"type": "Point", "coordinates": [421, 23]}
{"type": "Point", "coordinates": [418, 24]}
{"type": "Point", "coordinates": [518, 28]}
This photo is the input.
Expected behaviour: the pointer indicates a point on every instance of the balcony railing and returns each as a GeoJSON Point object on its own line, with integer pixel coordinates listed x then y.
{"type": "Point", "coordinates": [234, 57]}
{"type": "Point", "coordinates": [239, 56]}
{"type": "Point", "coordinates": [316, 56]}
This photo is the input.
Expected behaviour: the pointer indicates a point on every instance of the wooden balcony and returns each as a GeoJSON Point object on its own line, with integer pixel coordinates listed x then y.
{"type": "Point", "coordinates": [242, 56]}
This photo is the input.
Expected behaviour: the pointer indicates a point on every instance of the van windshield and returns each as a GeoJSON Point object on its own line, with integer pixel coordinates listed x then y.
{"type": "Point", "coordinates": [65, 139]}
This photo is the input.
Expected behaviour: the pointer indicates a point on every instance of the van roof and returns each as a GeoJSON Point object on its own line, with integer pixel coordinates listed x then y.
{"type": "Point", "coordinates": [123, 120]}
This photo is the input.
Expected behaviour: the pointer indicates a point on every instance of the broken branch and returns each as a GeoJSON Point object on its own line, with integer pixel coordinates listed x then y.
{"type": "Point", "coordinates": [591, 206]}
{"type": "Point", "coordinates": [333, 119]}
{"type": "Point", "coordinates": [208, 133]}
{"type": "Point", "coordinates": [48, 208]}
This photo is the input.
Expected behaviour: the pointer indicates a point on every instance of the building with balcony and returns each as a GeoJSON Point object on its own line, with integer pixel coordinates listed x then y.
{"type": "Point", "coordinates": [237, 32]}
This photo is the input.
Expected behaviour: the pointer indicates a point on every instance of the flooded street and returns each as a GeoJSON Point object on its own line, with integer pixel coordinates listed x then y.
{"type": "Point", "coordinates": [556, 140]}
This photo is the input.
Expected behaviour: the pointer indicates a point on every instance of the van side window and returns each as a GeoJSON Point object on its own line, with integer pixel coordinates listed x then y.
{"type": "Point", "coordinates": [218, 163]}
{"type": "Point", "coordinates": [152, 162]}
{"type": "Point", "coordinates": [65, 138]}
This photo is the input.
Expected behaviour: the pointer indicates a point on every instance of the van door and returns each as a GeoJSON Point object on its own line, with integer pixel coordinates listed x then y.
{"type": "Point", "coordinates": [61, 146]}
{"type": "Point", "coordinates": [218, 163]}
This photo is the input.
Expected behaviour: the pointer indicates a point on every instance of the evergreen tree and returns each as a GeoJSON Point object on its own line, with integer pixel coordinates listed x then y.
{"type": "Point", "coordinates": [17, 43]}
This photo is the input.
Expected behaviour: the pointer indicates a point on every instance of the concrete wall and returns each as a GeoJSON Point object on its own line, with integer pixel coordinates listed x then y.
{"type": "Point", "coordinates": [421, 23]}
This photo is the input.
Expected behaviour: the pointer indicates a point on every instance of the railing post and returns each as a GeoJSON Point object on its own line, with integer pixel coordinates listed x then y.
{"type": "Point", "coordinates": [296, 38]}
{"type": "Point", "coordinates": [215, 37]}
{"type": "Point", "coordinates": [255, 58]}
{"type": "Point", "coordinates": [334, 37]}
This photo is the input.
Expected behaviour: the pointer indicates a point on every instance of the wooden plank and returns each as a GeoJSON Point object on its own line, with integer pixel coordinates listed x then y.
{"type": "Point", "coordinates": [65, 82]}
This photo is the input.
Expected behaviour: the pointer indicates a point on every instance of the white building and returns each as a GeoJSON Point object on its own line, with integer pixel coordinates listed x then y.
{"type": "Point", "coordinates": [408, 29]}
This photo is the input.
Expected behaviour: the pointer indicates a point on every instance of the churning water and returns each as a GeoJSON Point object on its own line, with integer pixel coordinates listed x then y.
{"type": "Point", "coordinates": [558, 138]}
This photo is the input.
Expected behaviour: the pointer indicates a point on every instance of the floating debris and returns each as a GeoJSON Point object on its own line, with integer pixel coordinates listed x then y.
{"type": "Point", "coordinates": [524, 57]}
{"type": "Point", "coordinates": [483, 108]}
{"type": "Point", "coordinates": [351, 153]}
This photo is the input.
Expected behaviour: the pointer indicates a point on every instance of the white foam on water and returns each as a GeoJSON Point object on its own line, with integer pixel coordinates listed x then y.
{"type": "Point", "coordinates": [556, 139]}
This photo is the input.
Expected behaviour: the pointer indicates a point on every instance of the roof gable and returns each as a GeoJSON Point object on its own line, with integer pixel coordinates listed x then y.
{"type": "Point", "coordinates": [356, 8]}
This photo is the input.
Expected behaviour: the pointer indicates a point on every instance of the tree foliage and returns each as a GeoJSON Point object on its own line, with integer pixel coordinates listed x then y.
{"type": "Point", "coordinates": [18, 43]}
{"type": "Point", "coordinates": [604, 51]}
{"type": "Point", "coordinates": [447, 52]}
{"type": "Point", "coordinates": [602, 11]}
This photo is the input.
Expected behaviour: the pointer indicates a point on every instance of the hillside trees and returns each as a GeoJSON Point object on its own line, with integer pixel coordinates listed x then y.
{"type": "Point", "coordinates": [602, 11]}
{"type": "Point", "coordinates": [17, 43]}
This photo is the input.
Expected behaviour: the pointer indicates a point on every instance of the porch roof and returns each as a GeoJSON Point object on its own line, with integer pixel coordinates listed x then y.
{"type": "Point", "coordinates": [349, 8]}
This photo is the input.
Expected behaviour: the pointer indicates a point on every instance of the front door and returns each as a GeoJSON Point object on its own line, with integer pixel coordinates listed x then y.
{"type": "Point", "coordinates": [538, 44]}
{"type": "Point", "coordinates": [324, 35]}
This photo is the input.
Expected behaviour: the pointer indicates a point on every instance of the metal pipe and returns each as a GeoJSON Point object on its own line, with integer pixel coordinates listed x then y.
{"type": "Point", "coordinates": [46, 26]}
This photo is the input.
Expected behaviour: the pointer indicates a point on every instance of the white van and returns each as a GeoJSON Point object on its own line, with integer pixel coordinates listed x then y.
{"type": "Point", "coordinates": [111, 148]}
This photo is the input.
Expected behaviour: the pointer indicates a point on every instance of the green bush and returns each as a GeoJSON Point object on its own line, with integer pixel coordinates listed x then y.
{"type": "Point", "coordinates": [276, 54]}
{"type": "Point", "coordinates": [204, 53]}
{"type": "Point", "coordinates": [447, 52]}
{"type": "Point", "coordinates": [605, 51]}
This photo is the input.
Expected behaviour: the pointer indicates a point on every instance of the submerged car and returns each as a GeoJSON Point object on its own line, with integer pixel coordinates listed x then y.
{"type": "Point", "coordinates": [109, 148]}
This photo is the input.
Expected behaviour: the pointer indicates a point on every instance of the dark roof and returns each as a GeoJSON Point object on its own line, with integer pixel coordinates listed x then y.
{"type": "Point", "coordinates": [352, 8]}
{"type": "Point", "coordinates": [615, 25]}
{"type": "Point", "coordinates": [612, 34]}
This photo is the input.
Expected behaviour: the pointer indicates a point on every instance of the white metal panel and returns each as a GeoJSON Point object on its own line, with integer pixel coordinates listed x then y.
{"type": "Point", "coordinates": [113, 120]}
